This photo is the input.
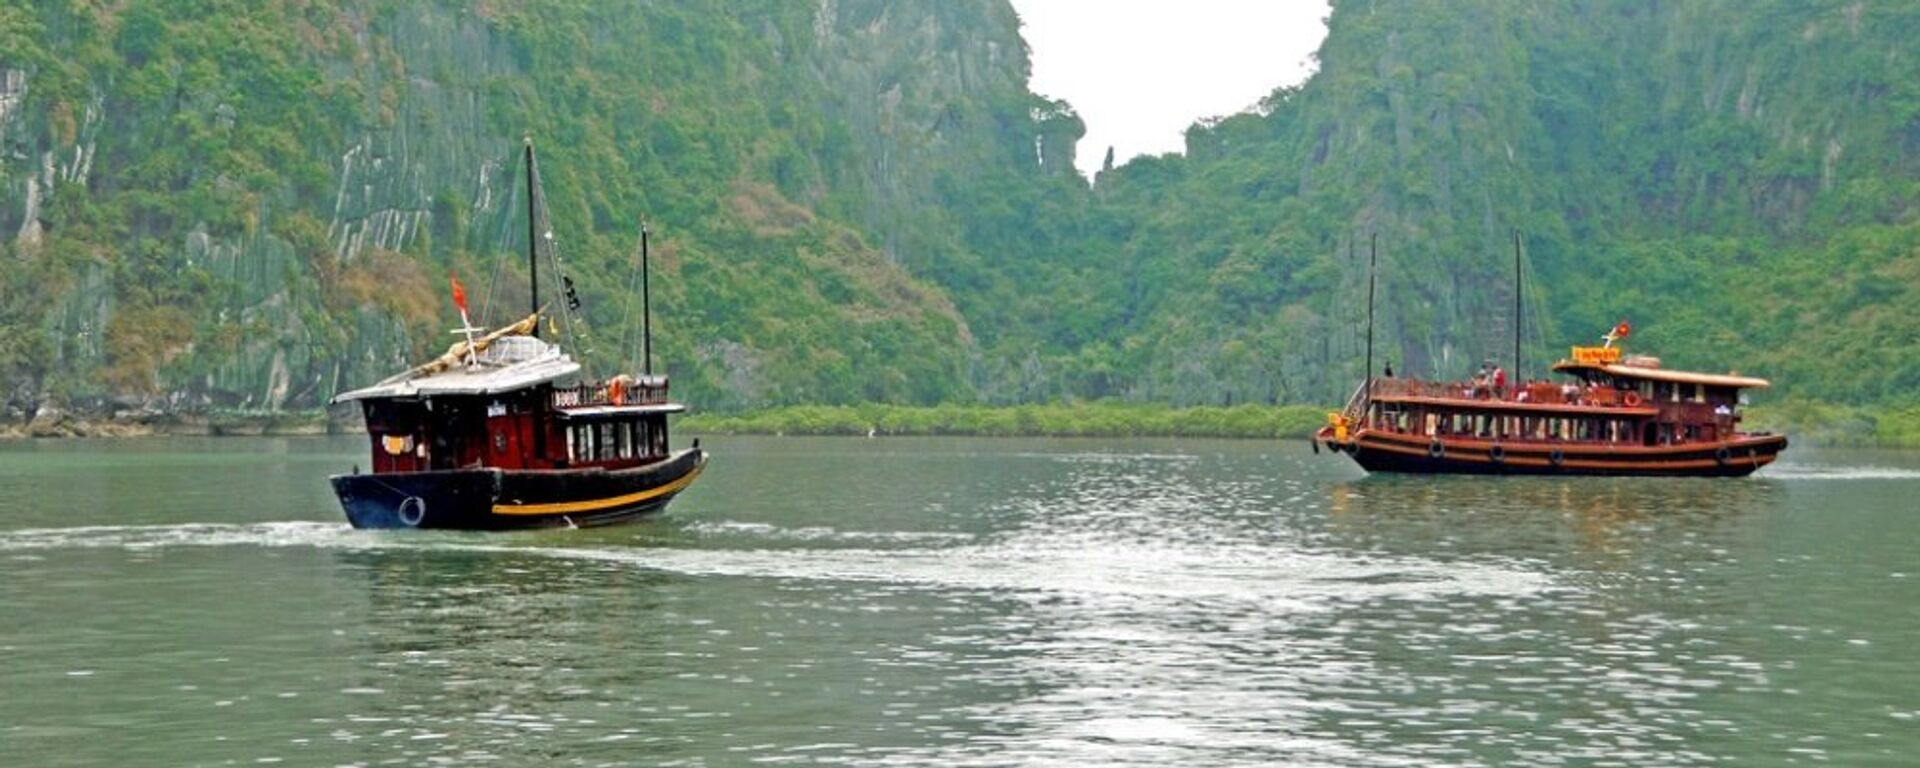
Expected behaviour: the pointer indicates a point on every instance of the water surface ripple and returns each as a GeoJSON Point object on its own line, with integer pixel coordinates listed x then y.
{"type": "Point", "coordinates": [961, 603]}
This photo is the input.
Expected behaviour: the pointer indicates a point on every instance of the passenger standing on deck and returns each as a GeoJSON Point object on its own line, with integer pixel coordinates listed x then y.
{"type": "Point", "coordinates": [1499, 382]}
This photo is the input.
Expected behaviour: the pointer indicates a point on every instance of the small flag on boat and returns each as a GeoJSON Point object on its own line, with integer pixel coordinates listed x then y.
{"type": "Point", "coordinates": [1619, 332]}
{"type": "Point", "coordinates": [459, 293]}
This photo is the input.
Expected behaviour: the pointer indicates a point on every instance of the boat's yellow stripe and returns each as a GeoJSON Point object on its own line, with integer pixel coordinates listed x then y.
{"type": "Point", "coordinates": [594, 505]}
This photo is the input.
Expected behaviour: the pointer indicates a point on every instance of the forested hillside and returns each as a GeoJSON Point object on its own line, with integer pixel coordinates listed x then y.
{"type": "Point", "coordinates": [217, 204]}
{"type": "Point", "coordinates": [1737, 178]}
{"type": "Point", "coordinates": [240, 204]}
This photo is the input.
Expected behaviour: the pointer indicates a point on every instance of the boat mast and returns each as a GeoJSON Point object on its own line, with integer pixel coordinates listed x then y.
{"type": "Point", "coordinates": [1516, 306]}
{"type": "Point", "coordinates": [646, 308]}
{"type": "Point", "coordinates": [1373, 262]}
{"type": "Point", "coordinates": [533, 239]}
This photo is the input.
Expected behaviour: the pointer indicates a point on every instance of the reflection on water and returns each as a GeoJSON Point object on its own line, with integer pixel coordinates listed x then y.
{"type": "Point", "coordinates": [973, 602]}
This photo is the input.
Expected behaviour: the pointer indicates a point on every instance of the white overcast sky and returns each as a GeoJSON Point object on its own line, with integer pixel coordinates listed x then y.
{"type": "Point", "coordinates": [1140, 71]}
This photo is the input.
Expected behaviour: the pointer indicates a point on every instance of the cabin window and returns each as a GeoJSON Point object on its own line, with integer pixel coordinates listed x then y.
{"type": "Point", "coordinates": [1699, 393]}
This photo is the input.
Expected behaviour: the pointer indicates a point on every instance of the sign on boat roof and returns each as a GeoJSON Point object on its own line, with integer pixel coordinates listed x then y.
{"type": "Point", "coordinates": [506, 364]}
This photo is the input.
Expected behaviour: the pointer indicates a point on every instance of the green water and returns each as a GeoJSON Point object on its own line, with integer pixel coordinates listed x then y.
{"type": "Point", "coordinates": [926, 602]}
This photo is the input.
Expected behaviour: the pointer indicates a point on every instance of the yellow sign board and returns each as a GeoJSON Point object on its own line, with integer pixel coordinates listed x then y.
{"type": "Point", "coordinates": [1596, 355]}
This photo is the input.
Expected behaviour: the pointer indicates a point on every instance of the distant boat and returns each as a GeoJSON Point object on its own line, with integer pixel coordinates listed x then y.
{"type": "Point", "coordinates": [500, 433]}
{"type": "Point", "coordinates": [1616, 415]}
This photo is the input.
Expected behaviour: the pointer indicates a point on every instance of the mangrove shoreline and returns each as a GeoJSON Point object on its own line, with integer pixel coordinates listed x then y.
{"type": "Point", "coordinates": [1806, 422]}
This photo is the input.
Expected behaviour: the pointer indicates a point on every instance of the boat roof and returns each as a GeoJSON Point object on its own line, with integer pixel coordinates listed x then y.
{"type": "Point", "coordinates": [593, 411]}
{"type": "Point", "coordinates": [508, 364]}
{"type": "Point", "coordinates": [1662, 374]}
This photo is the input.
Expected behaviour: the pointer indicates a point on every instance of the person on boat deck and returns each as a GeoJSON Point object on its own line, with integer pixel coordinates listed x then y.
{"type": "Point", "coordinates": [1499, 381]}
{"type": "Point", "coordinates": [1389, 369]}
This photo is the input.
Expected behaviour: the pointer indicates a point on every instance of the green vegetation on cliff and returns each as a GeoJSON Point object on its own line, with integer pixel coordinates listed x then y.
{"type": "Point", "coordinates": [221, 204]}
{"type": "Point", "coordinates": [254, 204]}
{"type": "Point", "coordinates": [1056, 420]}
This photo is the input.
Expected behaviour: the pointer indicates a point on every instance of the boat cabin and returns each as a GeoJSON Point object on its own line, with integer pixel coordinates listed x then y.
{"type": "Point", "coordinates": [504, 408]}
{"type": "Point", "coordinates": [1608, 399]}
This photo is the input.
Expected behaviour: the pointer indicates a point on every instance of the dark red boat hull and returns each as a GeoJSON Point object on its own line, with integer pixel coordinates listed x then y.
{"type": "Point", "coordinates": [489, 499]}
{"type": "Point", "coordinates": [1391, 452]}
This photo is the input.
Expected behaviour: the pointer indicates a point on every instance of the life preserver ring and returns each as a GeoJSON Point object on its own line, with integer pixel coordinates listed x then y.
{"type": "Point", "coordinates": [1556, 456]}
{"type": "Point", "coordinates": [1632, 400]}
{"type": "Point", "coordinates": [1722, 455]}
{"type": "Point", "coordinates": [1435, 449]}
{"type": "Point", "coordinates": [412, 511]}
{"type": "Point", "coordinates": [1497, 453]}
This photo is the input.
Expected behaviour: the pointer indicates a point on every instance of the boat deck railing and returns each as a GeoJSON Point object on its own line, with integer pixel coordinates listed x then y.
{"type": "Point", "coordinates": [1532, 392]}
{"type": "Point", "coordinates": [1357, 404]}
{"type": "Point", "coordinates": [622, 390]}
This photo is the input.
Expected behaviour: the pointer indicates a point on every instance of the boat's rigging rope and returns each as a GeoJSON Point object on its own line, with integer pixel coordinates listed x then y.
{"type": "Point", "coordinates": [500, 249]}
{"type": "Point", "coordinates": [569, 325]}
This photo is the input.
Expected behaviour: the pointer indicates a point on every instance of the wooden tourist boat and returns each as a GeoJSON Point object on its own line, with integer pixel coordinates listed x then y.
{"type": "Point", "coordinates": [502, 433]}
{"type": "Point", "coordinates": [1615, 415]}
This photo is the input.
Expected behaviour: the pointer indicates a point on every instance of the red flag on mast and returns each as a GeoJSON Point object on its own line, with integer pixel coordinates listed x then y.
{"type": "Point", "coordinates": [459, 293]}
{"type": "Point", "coordinates": [1620, 331]}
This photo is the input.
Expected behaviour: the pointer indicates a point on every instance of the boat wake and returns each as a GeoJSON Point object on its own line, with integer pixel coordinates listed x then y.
{"type": "Point", "coordinates": [137, 537]}
{"type": "Point", "coordinates": [1134, 650]}
{"type": "Point", "coordinates": [1051, 564]}
{"type": "Point", "coordinates": [1805, 472]}
{"type": "Point", "coordinates": [727, 529]}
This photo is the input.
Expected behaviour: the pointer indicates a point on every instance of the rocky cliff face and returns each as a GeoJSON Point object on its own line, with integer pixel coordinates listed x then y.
{"type": "Point", "coordinates": [204, 212]}
{"type": "Point", "coordinates": [252, 206]}
{"type": "Point", "coordinates": [1733, 176]}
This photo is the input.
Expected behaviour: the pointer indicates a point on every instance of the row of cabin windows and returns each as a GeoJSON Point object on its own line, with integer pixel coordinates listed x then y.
{"type": "Point", "coordinates": [1537, 427]}
{"type": "Point", "coordinates": [615, 440]}
{"type": "Point", "coordinates": [1674, 392]}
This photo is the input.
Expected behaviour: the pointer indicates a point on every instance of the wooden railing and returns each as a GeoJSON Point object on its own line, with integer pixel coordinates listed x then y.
{"type": "Point", "coordinates": [1357, 404]}
{"type": "Point", "coordinates": [1540, 392]}
{"type": "Point", "coordinates": [620, 390]}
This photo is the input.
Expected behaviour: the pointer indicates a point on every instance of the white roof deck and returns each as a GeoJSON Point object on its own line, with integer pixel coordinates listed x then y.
{"type": "Point", "coordinates": [1662, 374]}
{"type": "Point", "coordinates": [595, 411]}
{"type": "Point", "coordinates": [510, 363]}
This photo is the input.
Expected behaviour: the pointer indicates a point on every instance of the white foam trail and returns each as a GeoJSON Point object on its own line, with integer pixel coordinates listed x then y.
{"type": "Point", "coordinates": [819, 533]}
{"type": "Point", "coordinates": [280, 534]}
{"type": "Point", "coordinates": [1085, 566]}
{"type": "Point", "coordinates": [1807, 472]}
{"type": "Point", "coordinates": [1137, 650]}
